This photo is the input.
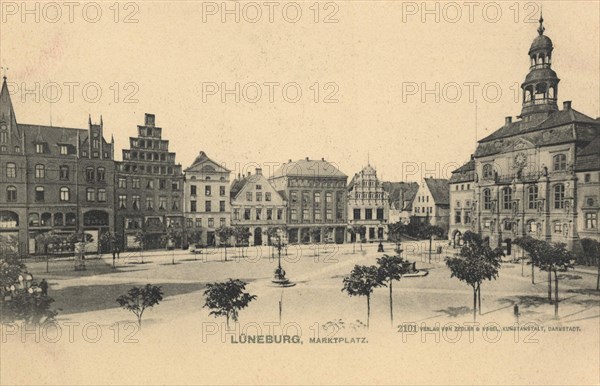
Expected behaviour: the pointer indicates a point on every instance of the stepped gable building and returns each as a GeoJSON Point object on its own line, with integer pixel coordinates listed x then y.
{"type": "Point", "coordinates": [368, 205]}
{"type": "Point", "coordinates": [257, 205]}
{"type": "Point", "coordinates": [207, 198]}
{"type": "Point", "coordinates": [431, 203]}
{"type": "Point", "coordinates": [316, 193]}
{"type": "Point", "coordinates": [52, 178]}
{"type": "Point", "coordinates": [149, 189]}
{"type": "Point", "coordinates": [538, 175]}
{"type": "Point", "coordinates": [462, 199]}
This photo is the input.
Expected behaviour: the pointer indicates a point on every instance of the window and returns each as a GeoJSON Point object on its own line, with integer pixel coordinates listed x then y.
{"type": "Point", "coordinates": [70, 219]}
{"type": "Point", "coordinates": [458, 204]}
{"type": "Point", "coordinates": [294, 214]}
{"type": "Point", "coordinates": [507, 225]}
{"type": "Point", "coordinates": [122, 201]}
{"type": "Point", "coordinates": [64, 172]}
{"type": "Point", "coordinates": [279, 214]}
{"type": "Point", "coordinates": [221, 190]}
{"type": "Point", "coordinates": [211, 222]}
{"type": "Point", "coordinates": [328, 214]}
{"type": "Point", "coordinates": [248, 196]}
{"type": "Point", "coordinates": [89, 174]}
{"type": "Point", "coordinates": [149, 203]}
{"type": "Point", "coordinates": [356, 213]}
{"type": "Point", "coordinates": [207, 206]}
{"type": "Point", "coordinates": [135, 183]}
{"type": "Point", "coordinates": [40, 171]}
{"type": "Point", "coordinates": [317, 214]}
{"type": "Point", "coordinates": [317, 197]}
{"type": "Point", "coordinates": [560, 162]}
{"type": "Point", "coordinates": [193, 190]}
{"type": "Point", "coordinates": [591, 220]}
{"type": "Point", "coordinates": [193, 207]}
{"type": "Point", "coordinates": [487, 199]}
{"type": "Point", "coordinates": [305, 198]}
{"type": "Point", "coordinates": [90, 195]}
{"type": "Point", "coordinates": [268, 196]}
{"type": "Point", "coordinates": [162, 203]}
{"type": "Point", "coordinates": [558, 227]}
{"type": "Point", "coordinates": [222, 222]}
{"type": "Point", "coordinates": [3, 136]}
{"type": "Point", "coordinates": [258, 213]}
{"type": "Point", "coordinates": [45, 219]}
{"type": "Point", "coordinates": [328, 197]}
{"type": "Point", "coordinates": [135, 202]}
{"type": "Point", "coordinates": [39, 148]}
{"type": "Point", "coordinates": [467, 217]}
{"type": "Point", "coordinates": [488, 171]}
{"type": "Point", "coordinates": [294, 196]}
{"type": "Point", "coordinates": [64, 194]}
{"type": "Point", "coordinates": [207, 190]}
{"type": "Point", "coordinates": [39, 194]}
{"type": "Point", "coordinates": [507, 198]}
{"type": "Point", "coordinates": [305, 215]}
{"type": "Point", "coordinates": [11, 170]}
{"type": "Point", "coordinates": [174, 185]}
{"type": "Point", "coordinates": [269, 214]}
{"type": "Point", "coordinates": [532, 195]}
{"type": "Point", "coordinates": [457, 217]}
{"type": "Point", "coordinates": [150, 184]}
{"type": "Point", "coordinates": [122, 182]}
{"type": "Point", "coordinates": [559, 196]}
{"type": "Point", "coordinates": [34, 219]}
{"type": "Point", "coordinates": [368, 214]}
{"type": "Point", "coordinates": [258, 187]}
{"type": "Point", "coordinates": [236, 214]}
{"type": "Point", "coordinates": [11, 194]}
{"type": "Point", "coordinates": [63, 149]}
{"type": "Point", "coordinates": [101, 195]}
{"type": "Point", "coordinates": [58, 219]}
{"type": "Point", "coordinates": [247, 214]}
{"type": "Point", "coordinates": [198, 222]}
{"type": "Point", "coordinates": [175, 201]}
{"type": "Point", "coordinates": [258, 196]}
{"type": "Point", "coordinates": [101, 174]}
{"type": "Point", "coordinates": [221, 206]}
{"type": "Point", "coordinates": [587, 177]}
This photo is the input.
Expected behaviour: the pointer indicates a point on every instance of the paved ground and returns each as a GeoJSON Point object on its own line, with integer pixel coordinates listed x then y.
{"type": "Point", "coordinates": [180, 324]}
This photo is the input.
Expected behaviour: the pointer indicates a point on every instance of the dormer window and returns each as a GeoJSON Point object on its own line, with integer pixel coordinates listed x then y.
{"type": "Point", "coordinates": [63, 149]}
{"type": "Point", "coordinates": [560, 162]}
{"type": "Point", "coordinates": [39, 148]}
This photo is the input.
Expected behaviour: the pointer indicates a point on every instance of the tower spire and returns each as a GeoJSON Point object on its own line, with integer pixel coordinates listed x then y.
{"type": "Point", "coordinates": [541, 28]}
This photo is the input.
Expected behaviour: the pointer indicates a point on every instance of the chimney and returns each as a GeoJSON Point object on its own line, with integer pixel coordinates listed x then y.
{"type": "Point", "coordinates": [472, 156]}
{"type": "Point", "coordinates": [258, 171]}
{"type": "Point", "coordinates": [507, 121]}
{"type": "Point", "coordinates": [290, 160]}
{"type": "Point", "coordinates": [307, 158]}
{"type": "Point", "coordinates": [249, 174]}
{"type": "Point", "coordinates": [567, 105]}
{"type": "Point", "coordinates": [149, 121]}
{"type": "Point", "coordinates": [323, 159]}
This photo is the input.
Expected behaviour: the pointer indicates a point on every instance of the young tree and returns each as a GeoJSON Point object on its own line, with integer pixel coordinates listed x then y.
{"type": "Point", "coordinates": [362, 232]}
{"type": "Point", "coordinates": [139, 299]}
{"type": "Point", "coordinates": [533, 248]}
{"type": "Point", "coordinates": [171, 238]}
{"type": "Point", "coordinates": [361, 282]}
{"type": "Point", "coordinates": [352, 231]}
{"type": "Point", "coordinates": [224, 234]}
{"type": "Point", "coordinates": [477, 262]}
{"type": "Point", "coordinates": [242, 236]}
{"type": "Point", "coordinates": [227, 298]}
{"type": "Point", "coordinates": [556, 258]}
{"type": "Point", "coordinates": [141, 237]}
{"type": "Point", "coordinates": [391, 268]}
{"type": "Point", "coordinates": [46, 240]}
{"type": "Point", "coordinates": [428, 231]}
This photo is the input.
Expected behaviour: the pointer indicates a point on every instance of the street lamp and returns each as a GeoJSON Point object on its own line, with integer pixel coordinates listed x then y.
{"type": "Point", "coordinates": [279, 277]}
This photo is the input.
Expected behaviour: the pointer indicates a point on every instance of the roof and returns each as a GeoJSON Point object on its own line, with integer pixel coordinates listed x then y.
{"type": "Point", "coordinates": [465, 173]}
{"type": "Point", "coordinates": [7, 112]}
{"type": "Point", "coordinates": [400, 192]}
{"type": "Point", "coordinates": [588, 158]}
{"type": "Point", "coordinates": [308, 168]}
{"type": "Point", "coordinates": [439, 190]}
{"type": "Point", "coordinates": [202, 158]}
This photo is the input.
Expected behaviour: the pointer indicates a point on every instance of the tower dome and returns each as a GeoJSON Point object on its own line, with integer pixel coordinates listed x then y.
{"type": "Point", "coordinates": [540, 88]}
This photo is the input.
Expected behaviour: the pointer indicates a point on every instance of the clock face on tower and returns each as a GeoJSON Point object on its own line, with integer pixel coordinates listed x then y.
{"type": "Point", "coordinates": [520, 160]}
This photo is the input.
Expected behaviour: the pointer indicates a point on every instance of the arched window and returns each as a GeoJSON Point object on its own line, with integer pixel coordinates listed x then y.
{"type": "Point", "coordinates": [40, 171]}
{"type": "Point", "coordinates": [39, 193]}
{"type": "Point", "coordinates": [101, 174]}
{"type": "Point", "coordinates": [559, 162]}
{"type": "Point", "coordinates": [64, 194]}
{"type": "Point", "coordinates": [559, 196]}
{"type": "Point", "coordinates": [89, 173]}
{"type": "Point", "coordinates": [11, 194]}
{"type": "Point", "coordinates": [488, 171]}
{"type": "Point", "coordinates": [11, 170]}
{"type": "Point", "coordinates": [34, 219]}
{"type": "Point", "coordinates": [46, 220]}
{"type": "Point", "coordinates": [487, 199]}
{"type": "Point", "coordinates": [532, 195]}
{"type": "Point", "coordinates": [507, 198]}
{"type": "Point", "coordinates": [71, 219]}
{"type": "Point", "coordinates": [58, 219]}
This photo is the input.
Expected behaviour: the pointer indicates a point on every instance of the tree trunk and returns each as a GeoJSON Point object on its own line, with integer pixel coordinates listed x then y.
{"type": "Point", "coordinates": [532, 272]}
{"type": "Point", "coordinates": [368, 309]}
{"type": "Point", "coordinates": [555, 294]}
{"type": "Point", "coordinates": [474, 304]}
{"type": "Point", "coordinates": [598, 276]}
{"type": "Point", "coordinates": [47, 268]}
{"type": "Point", "coordinates": [227, 316]}
{"type": "Point", "coordinates": [225, 253]}
{"type": "Point", "coordinates": [522, 266]}
{"type": "Point", "coordinates": [354, 251]}
{"type": "Point", "coordinates": [391, 306]}
{"type": "Point", "coordinates": [549, 285]}
{"type": "Point", "coordinates": [479, 296]}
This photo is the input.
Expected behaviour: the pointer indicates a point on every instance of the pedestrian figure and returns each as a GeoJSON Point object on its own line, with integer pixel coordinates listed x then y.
{"type": "Point", "coordinates": [118, 252]}
{"type": "Point", "coordinates": [114, 253]}
{"type": "Point", "coordinates": [380, 247]}
{"type": "Point", "coordinates": [516, 312]}
{"type": "Point", "coordinates": [44, 287]}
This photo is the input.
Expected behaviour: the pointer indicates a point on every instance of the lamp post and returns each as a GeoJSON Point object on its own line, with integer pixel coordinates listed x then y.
{"type": "Point", "coordinates": [279, 277]}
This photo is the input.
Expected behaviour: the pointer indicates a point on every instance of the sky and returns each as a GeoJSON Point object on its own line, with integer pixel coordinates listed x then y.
{"type": "Point", "coordinates": [405, 86]}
